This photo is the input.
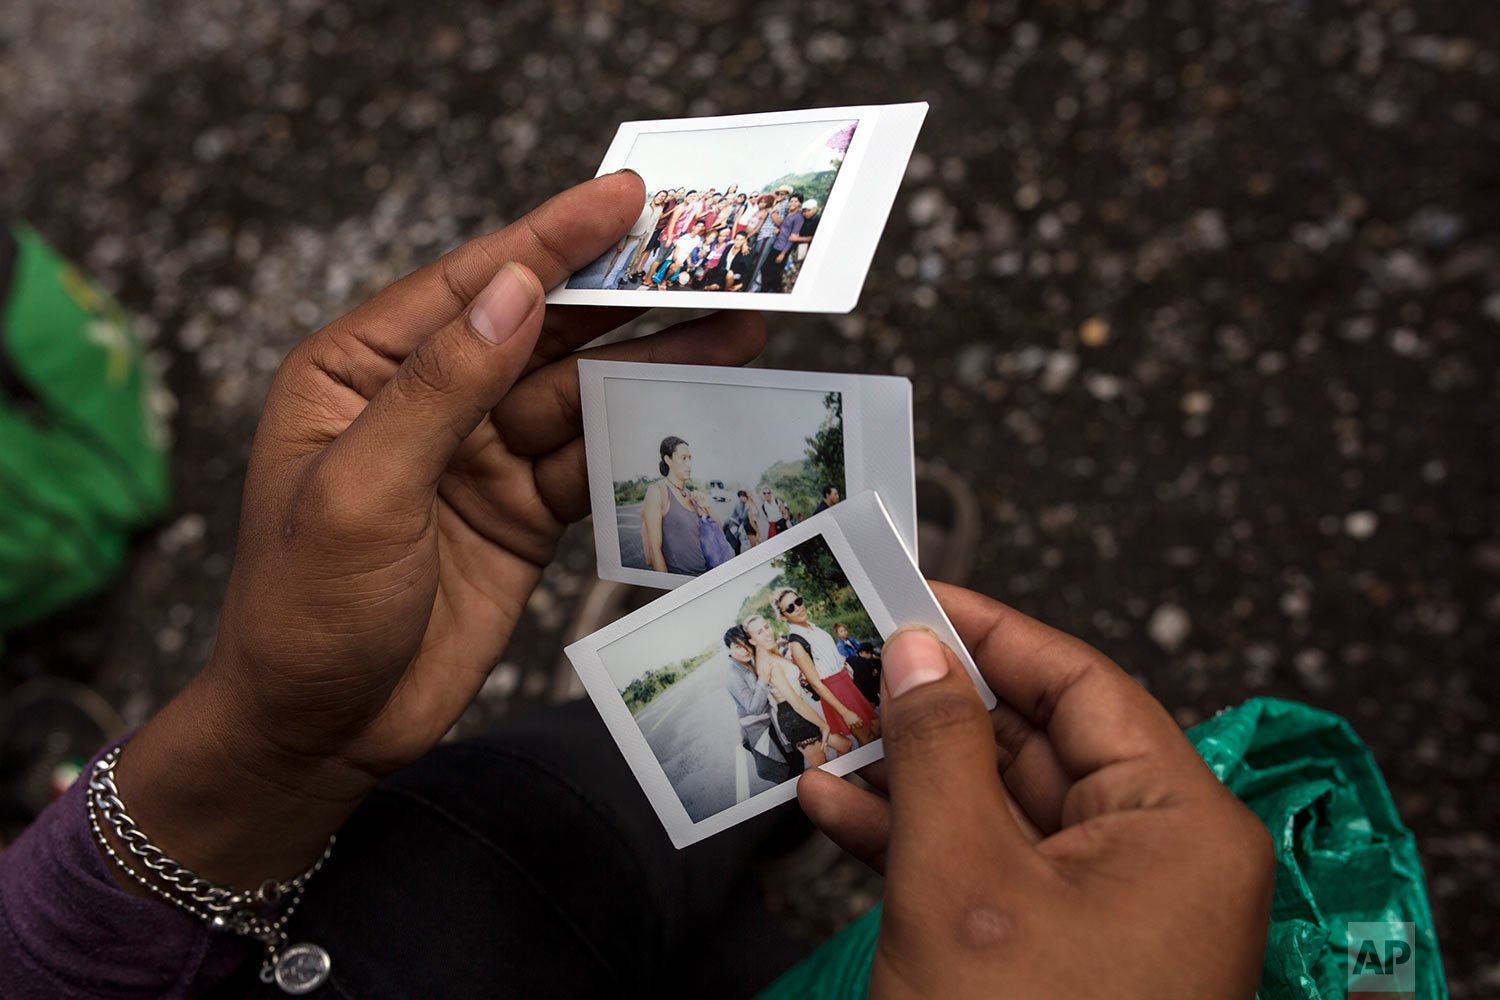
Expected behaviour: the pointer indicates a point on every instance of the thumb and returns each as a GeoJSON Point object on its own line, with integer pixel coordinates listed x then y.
{"type": "Point", "coordinates": [947, 800]}
{"type": "Point", "coordinates": [403, 440]}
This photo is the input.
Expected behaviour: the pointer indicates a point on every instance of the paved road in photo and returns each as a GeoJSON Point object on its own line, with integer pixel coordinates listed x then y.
{"type": "Point", "coordinates": [593, 275]}
{"type": "Point", "coordinates": [632, 554]}
{"type": "Point", "coordinates": [694, 732]}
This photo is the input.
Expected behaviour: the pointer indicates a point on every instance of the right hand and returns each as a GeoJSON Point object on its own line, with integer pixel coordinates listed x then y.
{"type": "Point", "coordinates": [1072, 822]}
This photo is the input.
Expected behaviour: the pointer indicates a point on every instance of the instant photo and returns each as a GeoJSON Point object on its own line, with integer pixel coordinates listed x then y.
{"type": "Point", "coordinates": [723, 692]}
{"type": "Point", "coordinates": [765, 211]}
{"type": "Point", "coordinates": [691, 467]}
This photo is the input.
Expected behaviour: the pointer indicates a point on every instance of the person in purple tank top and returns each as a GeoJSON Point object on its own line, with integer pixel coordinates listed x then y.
{"type": "Point", "coordinates": [670, 514]}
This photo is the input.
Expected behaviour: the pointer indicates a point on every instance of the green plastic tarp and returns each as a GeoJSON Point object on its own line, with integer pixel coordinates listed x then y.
{"type": "Point", "coordinates": [1348, 877]}
{"type": "Point", "coordinates": [83, 461]}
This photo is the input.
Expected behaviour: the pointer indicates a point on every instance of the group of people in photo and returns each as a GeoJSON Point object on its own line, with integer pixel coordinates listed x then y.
{"type": "Point", "coordinates": [803, 694]}
{"type": "Point", "coordinates": [680, 531]}
{"type": "Point", "coordinates": [713, 241]}
{"type": "Point", "coordinates": [760, 515]}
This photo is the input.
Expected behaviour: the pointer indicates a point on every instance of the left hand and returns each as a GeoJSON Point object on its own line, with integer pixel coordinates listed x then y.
{"type": "Point", "coordinates": [415, 465]}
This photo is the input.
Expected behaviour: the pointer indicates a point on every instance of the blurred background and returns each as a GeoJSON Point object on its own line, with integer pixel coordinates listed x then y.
{"type": "Point", "coordinates": [1202, 301]}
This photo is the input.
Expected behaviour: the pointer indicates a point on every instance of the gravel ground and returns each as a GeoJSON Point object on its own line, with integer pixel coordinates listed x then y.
{"type": "Point", "coordinates": [1202, 299]}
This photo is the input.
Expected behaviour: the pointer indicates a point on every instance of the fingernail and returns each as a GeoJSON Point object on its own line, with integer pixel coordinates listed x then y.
{"type": "Point", "coordinates": [497, 311]}
{"type": "Point", "coordinates": [913, 656]}
{"type": "Point", "coordinates": [627, 170]}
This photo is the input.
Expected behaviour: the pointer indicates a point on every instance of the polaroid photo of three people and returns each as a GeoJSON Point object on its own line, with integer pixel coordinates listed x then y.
{"type": "Point", "coordinates": [723, 691]}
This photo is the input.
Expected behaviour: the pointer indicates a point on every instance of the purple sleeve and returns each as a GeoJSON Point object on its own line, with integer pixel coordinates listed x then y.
{"type": "Point", "coordinates": [67, 929]}
{"type": "Point", "coordinates": [790, 226]}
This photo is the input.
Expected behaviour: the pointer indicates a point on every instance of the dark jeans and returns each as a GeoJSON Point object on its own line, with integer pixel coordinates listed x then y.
{"type": "Point", "coordinates": [529, 864]}
{"type": "Point", "coordinates": [762, 250]}
{"type": "Point", "coordinates": [772, 271]}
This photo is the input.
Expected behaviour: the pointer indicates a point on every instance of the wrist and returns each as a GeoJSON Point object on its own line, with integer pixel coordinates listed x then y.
{"type": "Point", "coordinates": [224, 802]}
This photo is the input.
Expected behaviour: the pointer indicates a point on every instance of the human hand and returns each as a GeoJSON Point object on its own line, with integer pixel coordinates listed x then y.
{"type": "Point", "coordinates": [852, 720]}
{"type": "Point", "coordinates": [415, 464]}
{"type": "Point", "coordinates": [1075, 820]}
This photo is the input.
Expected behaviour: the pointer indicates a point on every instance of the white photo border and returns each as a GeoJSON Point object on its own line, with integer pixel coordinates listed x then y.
{"type": "Point", "coordinates": [855, 216]}
{"type": "Point", "coordinates": [879, 452]}
{"type": "Point", "coordinates": [885, 579]}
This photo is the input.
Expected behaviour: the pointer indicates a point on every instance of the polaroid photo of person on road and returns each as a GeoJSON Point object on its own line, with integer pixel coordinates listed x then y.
{"type": "Point", "coordinates": [691, 466]}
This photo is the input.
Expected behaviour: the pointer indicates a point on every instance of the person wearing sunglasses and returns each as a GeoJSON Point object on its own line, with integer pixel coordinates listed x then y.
{"type": "Point", "coordinates": [796, 718]}
{"type": "Point", "coordinates": [814, 651]}
{"type": "Point", "coordinates": [777, 514]}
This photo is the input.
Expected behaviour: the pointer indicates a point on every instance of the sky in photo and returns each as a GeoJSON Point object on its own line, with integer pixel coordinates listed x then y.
{"type": "Point", "coordinates": [735, 432]}
{"type": "Point", "coordinates": [685, 631]}
{"type": "Point", "coordinates": [749, 156]}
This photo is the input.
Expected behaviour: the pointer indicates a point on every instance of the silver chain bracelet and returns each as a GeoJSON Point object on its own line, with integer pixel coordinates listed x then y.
{"type": "Point", "coordinates": [298, 969]}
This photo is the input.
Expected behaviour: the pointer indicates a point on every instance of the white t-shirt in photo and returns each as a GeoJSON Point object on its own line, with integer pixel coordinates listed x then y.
{"type": "Point", "coordinates": [646, 221]}
{"type": "Point", "coordinates": [825, 650]}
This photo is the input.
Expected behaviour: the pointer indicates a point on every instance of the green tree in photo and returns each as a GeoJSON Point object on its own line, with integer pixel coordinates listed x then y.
{"type": "Point", "coordinates": [813, 571]}
{"type": "Point", "coordinates": [825, 449]}
{"type": "Point", "coordinates": [814, 184]}
{"type": "Point", "coordinates": [800, 482]}
{"type": "Point", "coordinates": [796, 483]}
{"type": "Point", "coordinates": [631, 491]}
{"type": "Point", "coordinates": [653, 683]}
{"type": "Point", "coordinates": [819, 183]}
{"type": "Point", "coordinates": [848, 611]}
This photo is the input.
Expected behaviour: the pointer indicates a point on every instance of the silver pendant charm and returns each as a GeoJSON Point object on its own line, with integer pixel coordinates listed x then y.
{"type": "Point", "coordinates": [302, 968]}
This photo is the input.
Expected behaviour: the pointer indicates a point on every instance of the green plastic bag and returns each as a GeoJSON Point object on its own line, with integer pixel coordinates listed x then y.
{"type": "Point", "coordinates": [1342, 857]}
{"type": "Point", "coordinates": [83, 461]}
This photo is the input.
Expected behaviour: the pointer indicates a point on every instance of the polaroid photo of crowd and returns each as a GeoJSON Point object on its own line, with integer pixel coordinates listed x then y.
{"type": "Point", "coordinates": [767, 211]}
{"type": "Point", "coordinates": [721, 693]}
{"type": "Point", "coordinates": [691, 466]}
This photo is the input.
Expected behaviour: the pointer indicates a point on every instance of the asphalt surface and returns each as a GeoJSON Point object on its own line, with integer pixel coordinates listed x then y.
{"type": "Point", "coordinates": [694, 732]}
{"type": "Point", "coordinates": [632, 546]}
{"type": "Point", "coordinates": [594, 274]}
{"type": "Point", "coordinates": [1202, 300]}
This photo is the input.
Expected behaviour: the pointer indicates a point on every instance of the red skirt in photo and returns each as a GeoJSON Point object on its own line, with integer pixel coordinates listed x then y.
{"type": "Point", "coordinates": [841, 686]}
